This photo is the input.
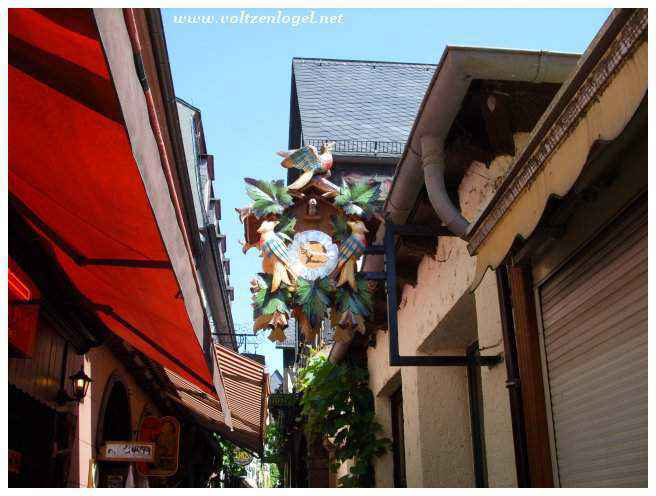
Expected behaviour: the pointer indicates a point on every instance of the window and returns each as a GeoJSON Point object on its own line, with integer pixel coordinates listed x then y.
{"type": "Point", "coordinates": [398, 444]}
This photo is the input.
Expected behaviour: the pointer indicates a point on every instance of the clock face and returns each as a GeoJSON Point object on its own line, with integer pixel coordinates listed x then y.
{"type": "Point", "coordinates": [313, 254]}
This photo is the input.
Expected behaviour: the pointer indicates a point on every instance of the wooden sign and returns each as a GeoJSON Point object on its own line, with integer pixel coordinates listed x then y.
{"type": "Point", "coordinates": [164, 432]}
{"type": "Point", "coordinates": [127, 451]}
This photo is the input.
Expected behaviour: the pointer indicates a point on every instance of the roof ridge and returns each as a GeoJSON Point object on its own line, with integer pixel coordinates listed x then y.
{"type": "Point", "coordinates": [364, 62]}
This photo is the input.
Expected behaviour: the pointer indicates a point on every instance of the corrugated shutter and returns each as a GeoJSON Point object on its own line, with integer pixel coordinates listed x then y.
{"type": "Point", "coordinates": [594, 313]}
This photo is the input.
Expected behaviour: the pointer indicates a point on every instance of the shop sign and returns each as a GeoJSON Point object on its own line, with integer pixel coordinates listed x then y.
{"type": "Point", "coordinates": [127, 451]}
{"type": "Point", "coordinates": [243, 458]}
{"type": "Point", "coordinates": [164, 432]}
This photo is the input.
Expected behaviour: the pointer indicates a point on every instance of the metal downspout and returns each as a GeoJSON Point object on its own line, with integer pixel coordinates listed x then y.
{"type": "Point", "coordinates": [433, 162]}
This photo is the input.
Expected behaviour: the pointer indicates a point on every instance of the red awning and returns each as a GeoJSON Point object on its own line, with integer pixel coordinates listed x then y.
{"type": "Point", "coordinates": [73, 176]}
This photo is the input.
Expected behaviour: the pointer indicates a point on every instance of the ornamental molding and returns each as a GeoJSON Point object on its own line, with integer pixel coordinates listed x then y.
{"type": "Point", "coordinates": [619, 51]}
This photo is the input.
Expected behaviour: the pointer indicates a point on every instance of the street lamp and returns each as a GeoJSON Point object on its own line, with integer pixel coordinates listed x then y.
{"type": "Point", "coordinates": [81, 383]}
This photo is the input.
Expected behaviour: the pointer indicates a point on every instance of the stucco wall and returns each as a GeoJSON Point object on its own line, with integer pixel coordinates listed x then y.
{"type": "Point", "coordinates": [100, 364]}
{"type": "Point", "coordinates": [496, 406]}
{"type": "Point", "coordinates": [438, 445]}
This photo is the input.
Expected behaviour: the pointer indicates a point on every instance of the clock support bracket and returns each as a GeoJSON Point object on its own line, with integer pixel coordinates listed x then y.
{"type": "Point", "coordinates": [388, 249]}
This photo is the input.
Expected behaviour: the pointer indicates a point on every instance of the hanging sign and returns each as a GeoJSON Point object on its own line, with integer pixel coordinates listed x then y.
{"type": "Point", "coordinates": [127, 451]}
{"type": "Point", "coordinates": [164, 432]}
{"type": "Point", "coordinates": [243, 458]}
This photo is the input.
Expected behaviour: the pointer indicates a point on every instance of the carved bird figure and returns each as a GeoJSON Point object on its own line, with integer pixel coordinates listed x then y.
{"type": "Point", "coordinates": [276, 261]}
{"type": "Point", "coordinates": [309, 161]}
{"type": "Point", "coordinates": [349, 251]}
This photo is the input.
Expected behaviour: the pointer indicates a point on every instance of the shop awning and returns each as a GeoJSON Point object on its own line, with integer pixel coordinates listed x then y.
{"type": "Point", "coordinates": [246, 384]}
{"type": "Point", "coordinates": [74, 178]}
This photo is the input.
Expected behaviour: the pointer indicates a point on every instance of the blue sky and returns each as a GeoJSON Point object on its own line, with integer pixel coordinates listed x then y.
{"type": "Point", "coordinates": [239, 75]}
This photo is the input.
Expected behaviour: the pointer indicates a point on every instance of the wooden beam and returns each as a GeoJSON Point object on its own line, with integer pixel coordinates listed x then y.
{"type": "Point", "coordinates": [496, 115]}
{"type": "Point", "coordinates": [531, 379]}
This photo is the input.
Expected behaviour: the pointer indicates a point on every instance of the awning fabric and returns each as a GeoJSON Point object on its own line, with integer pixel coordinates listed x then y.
{"type": "Point", "coordinates": [246, 384]}
{"type": "Point", "coordinates": [73, 176]}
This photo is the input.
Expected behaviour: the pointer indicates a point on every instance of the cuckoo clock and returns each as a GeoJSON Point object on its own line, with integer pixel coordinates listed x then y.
{"type": "Point", "coordinates": [310, 235]}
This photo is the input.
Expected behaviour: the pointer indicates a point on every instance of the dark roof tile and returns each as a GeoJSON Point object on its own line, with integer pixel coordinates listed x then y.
{"type": "Point", "coordinates": [359, 100]}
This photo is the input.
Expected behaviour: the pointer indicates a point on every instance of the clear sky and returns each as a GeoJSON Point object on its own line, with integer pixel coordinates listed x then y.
{"type": "Point", "coordinates": [239, 75]}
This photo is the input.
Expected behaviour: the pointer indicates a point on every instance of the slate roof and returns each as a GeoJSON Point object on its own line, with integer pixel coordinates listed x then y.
{"type": "Point", "coordinates": [345, 100]}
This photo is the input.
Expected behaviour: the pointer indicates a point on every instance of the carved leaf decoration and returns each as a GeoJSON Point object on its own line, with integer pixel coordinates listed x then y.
{"type": "Point", "coordinates": [358, 199]}
{"type": "Point", "coordinates": [341, 230]}
{"type": "Point", "coordinates": [267, 303]}
{"type": "Point", "coordinates": [269, 197]}
{"type": "Point", "coordinates": [285, 227]}
{"type": "Point", "coordinates": [276, 302]}
{"type": "Point", "coordinates": [358, 302]}
{"type": "Point", "coordinates": [314, 298]}
{"type": "Point", "coordinates": [262, 285]}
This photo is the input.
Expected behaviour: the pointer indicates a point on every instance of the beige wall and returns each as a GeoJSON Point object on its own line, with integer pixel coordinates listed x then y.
{"type": "Point", "coordinates": [440, 316]}
{"type": "Point", "coordinates": [496, 406]}
{"type": "Point", "coordinates": [100, 364]}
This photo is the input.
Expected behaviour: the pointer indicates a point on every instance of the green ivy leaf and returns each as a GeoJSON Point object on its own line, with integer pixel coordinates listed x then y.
{"type": "Point", "coordinates": [338, 403]}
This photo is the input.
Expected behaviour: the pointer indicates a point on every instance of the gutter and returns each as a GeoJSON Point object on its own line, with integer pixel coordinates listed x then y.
{"type": "Point", "coordinates": [422, 162]}
{"type": "Point", "coordinates": [160, 53]}
{"type": "Point", "coordinates": [458, 67]}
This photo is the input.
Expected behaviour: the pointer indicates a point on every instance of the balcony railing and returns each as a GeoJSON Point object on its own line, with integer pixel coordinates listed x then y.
{"type": "Point", "coordinates": [361, 147]}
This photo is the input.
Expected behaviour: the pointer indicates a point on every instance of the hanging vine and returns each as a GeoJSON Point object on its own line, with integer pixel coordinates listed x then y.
{"type": "Point", "coordinates": [337, 406]}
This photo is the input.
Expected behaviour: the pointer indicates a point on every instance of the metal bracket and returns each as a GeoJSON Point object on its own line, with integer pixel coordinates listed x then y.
{"type": "Point", "coordinates": [389, 276]}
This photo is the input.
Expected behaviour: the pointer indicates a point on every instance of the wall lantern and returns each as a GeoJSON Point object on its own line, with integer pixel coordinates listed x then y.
{"type": "Point", "coordinates": [81, 383]}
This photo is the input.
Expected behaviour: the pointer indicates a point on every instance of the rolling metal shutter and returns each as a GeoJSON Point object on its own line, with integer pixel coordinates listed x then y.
{"type": "Point", "coordinates": [594, 315]}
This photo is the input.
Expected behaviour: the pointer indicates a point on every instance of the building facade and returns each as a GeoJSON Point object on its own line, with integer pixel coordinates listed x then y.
{"type": "Point", "coordinates": [512, 318]}
{"type": "Point", "coordinates": [537, 312]}
{"type": "Point", "coordinates": [110, 342]}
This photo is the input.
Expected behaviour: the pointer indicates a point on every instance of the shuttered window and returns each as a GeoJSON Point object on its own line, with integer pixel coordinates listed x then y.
{"type": "Point", "coordinates": [594, 316]}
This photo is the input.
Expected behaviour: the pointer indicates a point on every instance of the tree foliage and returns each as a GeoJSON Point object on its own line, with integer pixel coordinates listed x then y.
{"type": "Point", "coordinates": [230, 468]}
{"type": "Point", "coordinates": [274, 441]}
{"type": "Point", "coordinates": [338, 405]}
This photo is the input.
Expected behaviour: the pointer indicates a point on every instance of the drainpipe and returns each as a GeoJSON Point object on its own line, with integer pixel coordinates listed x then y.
{"type": "Point", "coordinates": [433, 162]}
{"type": "Point", "coordinates": [457, 68]}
